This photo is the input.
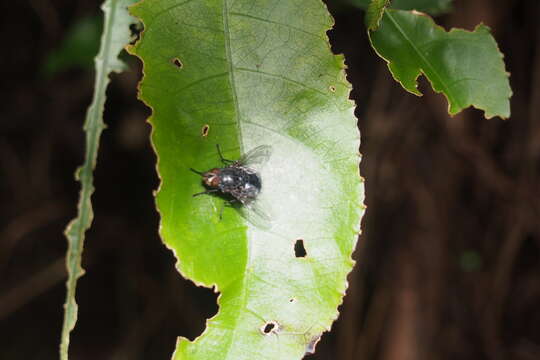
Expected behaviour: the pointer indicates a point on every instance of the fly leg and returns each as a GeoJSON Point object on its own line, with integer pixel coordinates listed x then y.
{"type": "Point", "coordinates": [206, 192]}
{"type": "Point", "coordinates": [223, 160]}
{"type": "Point", "coordinates": [227, 203]}
{"type": "Point", "coordinates": [221, 212]}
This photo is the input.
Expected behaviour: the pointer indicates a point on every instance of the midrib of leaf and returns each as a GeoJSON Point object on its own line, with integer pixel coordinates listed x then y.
{"type": "Point", "coordinates": [228, 55]}
{"type": "Point", "coordinates": [93, 127]}
{"type": "Point", "coordinates": [424, 60]}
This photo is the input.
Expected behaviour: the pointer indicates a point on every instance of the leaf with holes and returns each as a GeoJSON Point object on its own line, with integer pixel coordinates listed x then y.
{"type": "Point", "coordinates": [244, 74]}
{"type": "Point", "coordinates": [465, 66]}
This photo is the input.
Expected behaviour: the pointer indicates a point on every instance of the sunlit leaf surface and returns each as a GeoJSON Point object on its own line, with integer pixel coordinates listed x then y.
{"type": "Point", "coordinates": [242, 74]}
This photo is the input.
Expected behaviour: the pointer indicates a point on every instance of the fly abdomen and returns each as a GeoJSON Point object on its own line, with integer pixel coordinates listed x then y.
{"type": "Point", "coordinates": [252, 186]}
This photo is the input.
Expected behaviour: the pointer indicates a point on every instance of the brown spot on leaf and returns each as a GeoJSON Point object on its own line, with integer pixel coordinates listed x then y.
{"type": "Point", "coordinates": [205, 129]}
{"type": "Point", "coordinates": [177, 63]}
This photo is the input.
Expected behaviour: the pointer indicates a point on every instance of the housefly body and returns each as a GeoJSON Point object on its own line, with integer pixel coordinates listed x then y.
{"type": "Point", "coordinates": [239, 182]}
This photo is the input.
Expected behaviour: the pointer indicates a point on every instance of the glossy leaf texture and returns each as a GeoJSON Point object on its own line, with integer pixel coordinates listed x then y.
{"type": "Point", "coordinates": [243, 74]}
{"type": "Point", "coordinates": [467, 67]}
{"type": "Point", "coordinates": [432, 7]}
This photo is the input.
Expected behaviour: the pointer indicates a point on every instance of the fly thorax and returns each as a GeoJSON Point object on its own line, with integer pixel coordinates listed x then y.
{"type": "Point", "coordinates": [227, 180]}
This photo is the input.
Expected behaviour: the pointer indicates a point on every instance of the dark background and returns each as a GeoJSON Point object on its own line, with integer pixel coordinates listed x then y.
{"type": "Point", "coordinates": [448, 263]}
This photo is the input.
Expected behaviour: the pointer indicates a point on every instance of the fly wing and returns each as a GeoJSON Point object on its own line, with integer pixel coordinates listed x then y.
{"type": "Point", "coordinates": [256, 213]}
{"type": "Point", "coordinates": [256, 157]}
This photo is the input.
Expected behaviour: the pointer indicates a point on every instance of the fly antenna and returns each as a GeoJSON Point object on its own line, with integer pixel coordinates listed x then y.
{"type": "Point", "coordinates": [196, 171]}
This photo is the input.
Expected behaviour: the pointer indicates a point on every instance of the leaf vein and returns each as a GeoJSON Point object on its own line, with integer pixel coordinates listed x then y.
{"type": "Point", "coordinates": [276, 23]}
{"type": "Point", "coordinates": [281, 77]}
{"type": "Point", "coordinates": [422, 58]}
{"type": "Point", "coordinates": [197, 82]}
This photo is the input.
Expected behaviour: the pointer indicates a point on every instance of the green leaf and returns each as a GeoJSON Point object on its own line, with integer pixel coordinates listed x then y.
{"type": "Point", "coordinates": [432, 7]}
{"type": "Point", "coordinates": [243, 74]}
{"type": "Point", "coordinates": [77, 49]}
{"type": "Point", "coordinates": [116, 35]}
{"type": "Point", "coordinates": [466, 67]}
{"type": "Point", "coordinates": [375, 12]}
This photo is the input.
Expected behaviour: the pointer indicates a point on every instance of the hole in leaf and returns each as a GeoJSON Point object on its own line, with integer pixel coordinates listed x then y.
{"type": "Point", "coordinates": [291, 300]}
{"type": "Point", "coordinates": [269, 327]}
{"type": "Point", "coordinates": [135, 30]}
{"type": "Point", "coordinates": [177, 63]}
{"type": "Point", "coordinates": [299, 249]}
{"type": "Point", "coordinates": [204, 130]}
{"type": "Point", "coordinates": [332, 88]}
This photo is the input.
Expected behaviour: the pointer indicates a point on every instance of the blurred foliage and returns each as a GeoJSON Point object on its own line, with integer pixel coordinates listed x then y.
{"type": "Point", "coordinates": [470, 260]}
{"type": "Point", "coordinates": [78, 48]}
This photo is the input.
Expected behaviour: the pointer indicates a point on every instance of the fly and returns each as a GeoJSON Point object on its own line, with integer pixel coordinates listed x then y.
{"type": "Point", "coordinates": [239, 182]}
